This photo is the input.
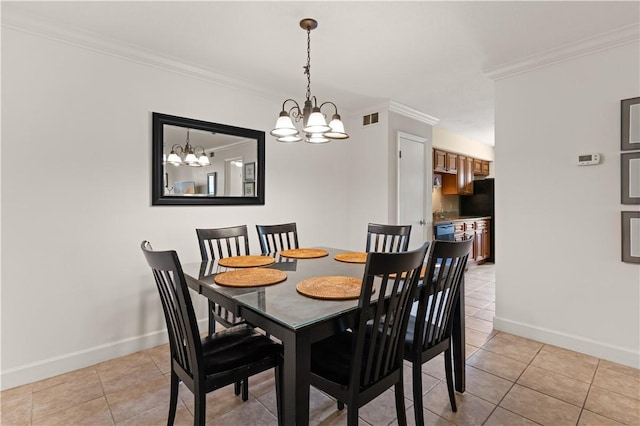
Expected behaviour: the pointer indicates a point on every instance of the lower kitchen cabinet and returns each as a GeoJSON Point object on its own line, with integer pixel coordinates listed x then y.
{"type": "Point", "coordinates": [478, 228]}
{"type": "Point", "coordinates": [482, 247]}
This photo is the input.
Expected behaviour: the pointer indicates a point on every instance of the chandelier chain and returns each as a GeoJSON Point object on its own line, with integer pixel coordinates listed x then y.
{"type": "Point", "coordinates": [307, 68]}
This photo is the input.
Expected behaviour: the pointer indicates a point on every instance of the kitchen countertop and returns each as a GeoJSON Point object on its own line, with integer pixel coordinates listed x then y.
{"type": "Point", "coordinates": [451, 219]}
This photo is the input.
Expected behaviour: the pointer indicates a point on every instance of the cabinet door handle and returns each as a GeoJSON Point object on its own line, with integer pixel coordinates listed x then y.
{"type": "Point", "coordinates": [422, 222]}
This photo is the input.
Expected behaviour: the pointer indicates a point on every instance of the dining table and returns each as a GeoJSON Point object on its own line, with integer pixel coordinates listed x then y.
{"type": "Point", "coordinates": [298, 320]}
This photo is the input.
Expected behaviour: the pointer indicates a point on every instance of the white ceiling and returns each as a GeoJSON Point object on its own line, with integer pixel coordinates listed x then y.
{"type": "Point", "coordinates": [429, 56]}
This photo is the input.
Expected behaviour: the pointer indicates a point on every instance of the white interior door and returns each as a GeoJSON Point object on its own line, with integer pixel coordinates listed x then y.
{"type": "Point", "coordinates": [233, 177]}
{"type": "Point", "coordinates": [411, 186]}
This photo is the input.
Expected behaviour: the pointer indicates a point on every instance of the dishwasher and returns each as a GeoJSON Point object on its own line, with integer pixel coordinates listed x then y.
{"type": "Point", "coordinates": [444, 232]}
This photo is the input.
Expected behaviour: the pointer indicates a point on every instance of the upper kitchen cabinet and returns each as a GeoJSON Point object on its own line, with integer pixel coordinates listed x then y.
{"type": "Point", "coordinates": [444, 162]}
{"type": "Point", "coordinates": [480, 167]}
{"type": "Point", "coordinates": [439, 161]}
{"type": "Point", "coordinates": [462, 182]}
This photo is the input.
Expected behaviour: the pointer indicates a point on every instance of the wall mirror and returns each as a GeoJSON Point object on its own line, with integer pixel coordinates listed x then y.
{"type": "Point", "coordinates": [201, 163]}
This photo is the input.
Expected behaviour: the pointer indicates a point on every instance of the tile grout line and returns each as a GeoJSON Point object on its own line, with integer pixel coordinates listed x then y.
{"type": "Point", "coordinates": [512, 386]}
{"type": "Point", "coordinates": [584, 403]}
{"type": "Point", "coordinates": [104, 395]}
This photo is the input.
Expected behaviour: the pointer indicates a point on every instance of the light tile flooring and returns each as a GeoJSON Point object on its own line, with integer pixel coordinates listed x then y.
{"type": "Point", "coordinates": [510, 381]}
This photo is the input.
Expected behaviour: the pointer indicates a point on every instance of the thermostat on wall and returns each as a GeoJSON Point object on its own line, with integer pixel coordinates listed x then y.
{"type": "Point", "coordinates": [588, 159]}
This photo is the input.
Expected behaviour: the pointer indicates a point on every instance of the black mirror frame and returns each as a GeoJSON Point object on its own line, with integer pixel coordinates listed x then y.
{"type": "Point", "coordinates": [157, 168]}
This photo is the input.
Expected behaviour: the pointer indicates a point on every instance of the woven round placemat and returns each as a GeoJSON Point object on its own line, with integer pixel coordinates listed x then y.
{"type": "Point", "coordinates": [246, 261]}
{"type": "Point", "coordinates": [304, 253]}
{"type": "Point", "coordinates": [331, 287]}
{"type": "Point", "coordinates": [352, 257]}
{"type": "Point", "coordinates": [250, 277]}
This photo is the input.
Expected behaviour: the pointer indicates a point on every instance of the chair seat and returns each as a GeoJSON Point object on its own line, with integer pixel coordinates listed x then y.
{"type": "Point", "coordinates": [331, 357]}
{"type": "Point", "coordinates": [235, 347]}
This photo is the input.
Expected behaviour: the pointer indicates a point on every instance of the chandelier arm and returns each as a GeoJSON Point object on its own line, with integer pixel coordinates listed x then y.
{"type": "Point", "coordinates": [329, 102]}
{"type": "Point", "coordinates": [177, 149]}
{"type": "Point", "coordinates": [292, 100]}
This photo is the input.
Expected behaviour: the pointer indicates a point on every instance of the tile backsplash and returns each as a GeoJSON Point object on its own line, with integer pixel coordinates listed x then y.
{"type": "Point", "coordinates": [449, 203]}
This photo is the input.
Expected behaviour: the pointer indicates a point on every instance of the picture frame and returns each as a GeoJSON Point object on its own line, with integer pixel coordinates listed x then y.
{"type": "Point", "coordinates": [250, 172]}
{"type": "Point", "coordinates": [630, 124]}
{"type": "Point", "coordinates": [630, 177]}
{"type": "Point", "coordinates": [631, 237]}
{"type": "Point", "coordinates": [249, 189]}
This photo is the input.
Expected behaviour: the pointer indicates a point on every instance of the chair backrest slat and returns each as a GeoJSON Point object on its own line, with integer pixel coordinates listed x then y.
{"type": "Point", "coordinates": [380, 327]}
{"type": "Point", "coordinates": [439, 292]}
{"type": "Point", "coordinates": [387, 238]}
{"type": "Point", "coordinates": [184, 339]}
{"type": "Point", "coordinates": [275, 238]}
{"type": "Point", "coordinates": [218, 243]}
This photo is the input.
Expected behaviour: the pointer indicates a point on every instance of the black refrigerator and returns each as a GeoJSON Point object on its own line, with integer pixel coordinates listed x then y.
{"type": "Point", "coordinates": [482, 203]}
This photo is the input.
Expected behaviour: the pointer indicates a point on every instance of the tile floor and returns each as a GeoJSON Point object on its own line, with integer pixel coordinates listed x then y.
{"type": "Point", "coordinates": [510, 381]}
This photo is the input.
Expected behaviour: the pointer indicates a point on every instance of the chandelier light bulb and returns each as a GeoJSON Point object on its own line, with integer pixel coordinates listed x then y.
{"type": "Point", "coordinates": [284, 126]}
{"type": "Point", "coordinates": [316, 122]}
{"type": "Point", "coordinates": [191, 160]}
{"type": "Point", "coordinates": [174, 158]}
{"type": "Point", "coordinates": [316, 138]}
{"type": "Point", "coordinates": [203, 160]}
{"type": "Point", "coordinates": [289, 139]}
{"type": "Point", "coordinates": [337, 129]}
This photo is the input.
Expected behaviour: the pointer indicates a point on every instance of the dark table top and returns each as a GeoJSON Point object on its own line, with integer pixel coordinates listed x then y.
{"type": "Point", "coordinates": [282, 302]}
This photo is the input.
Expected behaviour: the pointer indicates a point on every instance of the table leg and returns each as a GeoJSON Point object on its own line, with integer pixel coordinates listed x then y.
{"type": "Point", "coordinates": [459, 340]}
{"type": "Point", "coordinates": [296, 370]}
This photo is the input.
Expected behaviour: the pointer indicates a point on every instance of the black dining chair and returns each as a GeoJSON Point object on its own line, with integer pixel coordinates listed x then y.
{"type": "Point", "coordinates": [388, 238]}
{"type": "Point", "coordinates": [277, 237]}
{"type": "Point", "coordinates": [429, 330]}
{"type": "Point", "coordinates": [358, 364]}
{"type": "Point", "coordinates": [209, 363]}
{"type": "Point", "coordinates": [218, 243]}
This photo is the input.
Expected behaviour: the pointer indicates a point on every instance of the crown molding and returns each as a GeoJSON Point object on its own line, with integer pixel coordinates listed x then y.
{"type": "Point", "coordinates": [412, 113]}
{"type": "Point", "coordinates": [609, 40]}
{"type": "Point", "coordinates": [20, 21]}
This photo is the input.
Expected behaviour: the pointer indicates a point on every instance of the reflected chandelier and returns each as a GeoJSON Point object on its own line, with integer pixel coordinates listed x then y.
{"type": "Point", "coordinates": [189, 153]}
{"type": "Point", "coordinates": [314, 124]}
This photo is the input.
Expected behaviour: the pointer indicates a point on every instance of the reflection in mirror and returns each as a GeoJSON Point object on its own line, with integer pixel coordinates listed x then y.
{"type": "Point", "coordinates": [197, 162]}
{"type": "Point", "coordinates": [223, 156]}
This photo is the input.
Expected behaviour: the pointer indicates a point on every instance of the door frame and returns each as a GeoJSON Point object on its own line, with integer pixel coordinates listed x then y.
{"type": "Point", "coordinates": [422, 140]}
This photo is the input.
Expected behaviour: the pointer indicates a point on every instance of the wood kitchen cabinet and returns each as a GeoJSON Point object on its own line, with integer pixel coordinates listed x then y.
{"type": "Point", "coordinates": [444, 162]}
{"type": "Point", "coordinates": [467, 189]}
{"type": "Point", "coordinates": [482, 245]}
{"type": "Point", "coordinates": [480, 167]}
{"type": "Point", "coordinates": [452, 162]}
{"type": "Point", "coordinates": [479, 229]}
{"type": "Point", "coordinates": [485, 168]}
{"type": "Point", "coordinates": [439, 161]}
{"type": "Point", "coordinates": [462, 182]}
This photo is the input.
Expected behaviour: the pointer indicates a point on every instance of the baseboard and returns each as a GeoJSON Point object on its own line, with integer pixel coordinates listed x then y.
{"type": "Point", "coordinates": [594, 348]}
{"type": "Point", "coordinates": [51, 367]}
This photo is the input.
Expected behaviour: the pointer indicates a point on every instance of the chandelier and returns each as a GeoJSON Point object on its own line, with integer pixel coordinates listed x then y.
{"type": "Point", "coordinates": [187, 155]}
{"type": "Point", "coordinates": [315, 127]}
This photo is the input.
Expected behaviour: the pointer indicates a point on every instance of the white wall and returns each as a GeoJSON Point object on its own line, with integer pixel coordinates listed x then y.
{"type": "Point", "coordinates": [368, 177]}
{"type": "Point", "coordinates": [75, 287]}
{"type": "Point", "coordinates": [560, 279]}
{"type": "Point", "coordinates": [373, 170]}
